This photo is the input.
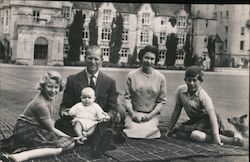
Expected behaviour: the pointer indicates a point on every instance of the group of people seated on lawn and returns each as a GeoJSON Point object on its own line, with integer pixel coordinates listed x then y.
{"type": "Point", "coordinates": [89, 111]}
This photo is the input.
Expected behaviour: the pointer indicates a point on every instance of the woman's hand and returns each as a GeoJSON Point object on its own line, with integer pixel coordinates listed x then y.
{"type": "Point", "coordinates": [135, 118]}
{"type": "Point", "coordinates": [146, 118]}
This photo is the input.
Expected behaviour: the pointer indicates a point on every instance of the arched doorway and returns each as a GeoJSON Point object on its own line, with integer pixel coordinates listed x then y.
{"type": "Point", "coordinates": [41, 51]}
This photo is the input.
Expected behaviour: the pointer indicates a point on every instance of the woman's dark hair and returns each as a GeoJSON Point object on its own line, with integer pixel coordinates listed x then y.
{"type": "Point", "coordinates": [193, 71]}
{"type": "Point", "coordinates": [149, 48]}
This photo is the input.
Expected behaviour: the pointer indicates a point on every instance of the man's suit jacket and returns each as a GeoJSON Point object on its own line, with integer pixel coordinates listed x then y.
{"type": "Point", "coordinates": [106, 95]}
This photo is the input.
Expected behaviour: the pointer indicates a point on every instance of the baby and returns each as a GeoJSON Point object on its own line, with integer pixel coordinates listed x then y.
{"type": "Point", "coordinates": [87, 114]}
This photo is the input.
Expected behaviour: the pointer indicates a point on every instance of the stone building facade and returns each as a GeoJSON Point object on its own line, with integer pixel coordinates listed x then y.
{"type": "Point", "coordinates": [231, 28]}
{"type": "Point", "coordinates": [35, 32]}
{"type": "Point", "coordinates": [140, 21]}
{"type": "Point", "coordinates": [227, 23]}
{"type": "Point", "coordinates": [32, 32]}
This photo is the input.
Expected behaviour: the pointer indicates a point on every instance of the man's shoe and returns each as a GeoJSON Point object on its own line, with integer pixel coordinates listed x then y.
{"type": "Point", "coordinates": [120, 138]}
{"type": "Point", "coordinates": [106, 142]}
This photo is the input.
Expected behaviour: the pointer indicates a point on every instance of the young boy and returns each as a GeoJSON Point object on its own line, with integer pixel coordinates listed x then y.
{"type": "Point", "coordinates": [87, 114]}
{"type": "Point", "coordinates": [204, 124]}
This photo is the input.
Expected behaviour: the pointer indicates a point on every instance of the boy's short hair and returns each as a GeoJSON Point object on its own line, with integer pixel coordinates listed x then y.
{"type": "Point", "coordinates": [88, 90]}
{"type": "Point", "coordinates": [193, 71]}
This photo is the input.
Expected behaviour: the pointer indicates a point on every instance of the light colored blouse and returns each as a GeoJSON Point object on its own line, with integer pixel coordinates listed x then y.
{"type": "Point", "coordinates": [196, 105]}
{"type": "Point", "coordinates": [145, 92]}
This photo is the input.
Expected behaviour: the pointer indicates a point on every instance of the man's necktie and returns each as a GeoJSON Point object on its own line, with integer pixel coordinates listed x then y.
{"type": "Point", "coordinates": [92, 82]}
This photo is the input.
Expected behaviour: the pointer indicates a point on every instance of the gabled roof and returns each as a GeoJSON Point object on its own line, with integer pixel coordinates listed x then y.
{"type": "Point", "coordinates": [161, 9]}
{"type": "Point", "coordinates": [166, 9]}
{"type": "Point", "coordinates": [127, 7]}
{"type": "Point", "coordinates": [83, 5]}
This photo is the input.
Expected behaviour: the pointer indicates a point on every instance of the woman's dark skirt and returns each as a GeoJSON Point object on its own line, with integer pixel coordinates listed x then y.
{"type": "Point", "coordinates": [27, 136]}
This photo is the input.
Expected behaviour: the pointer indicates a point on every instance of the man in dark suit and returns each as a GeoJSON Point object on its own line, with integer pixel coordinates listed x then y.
{"type": "Point", "coordinates": [106, 97]}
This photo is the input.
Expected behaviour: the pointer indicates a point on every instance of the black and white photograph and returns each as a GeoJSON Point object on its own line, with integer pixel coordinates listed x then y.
{"type": "Point", "coordinates": [139, 81]}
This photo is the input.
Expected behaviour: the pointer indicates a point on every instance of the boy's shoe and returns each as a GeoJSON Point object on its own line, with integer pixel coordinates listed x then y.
{"type": "Point", "coordinates": [238, 141]}
{"type": "Point", "coordinates": [6, 157]}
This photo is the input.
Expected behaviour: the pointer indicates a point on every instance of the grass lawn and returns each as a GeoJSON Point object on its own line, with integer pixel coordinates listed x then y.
{"type": "Point", "coordinates": [230, 92]}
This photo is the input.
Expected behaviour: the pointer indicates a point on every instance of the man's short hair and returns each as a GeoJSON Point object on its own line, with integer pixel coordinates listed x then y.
{"type": "Point", "coordinates": [194, 71]}
{"type": "Point", "coordinates": [93, 48]}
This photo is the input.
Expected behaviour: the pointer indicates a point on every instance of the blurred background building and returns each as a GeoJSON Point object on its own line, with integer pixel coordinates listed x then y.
{"type": "Point", "coordinates": [36, 32]}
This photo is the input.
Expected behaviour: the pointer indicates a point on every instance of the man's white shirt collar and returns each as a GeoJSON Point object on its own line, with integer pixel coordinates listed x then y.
{"type": "Point", "coordinates": [96, 74]}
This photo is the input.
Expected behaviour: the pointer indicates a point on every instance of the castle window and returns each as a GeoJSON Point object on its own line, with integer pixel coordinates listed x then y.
{"type": "Point", "coordinates": [242, 45]}
{"type": "Point", "coordinates": [66, 11]}
{"type": "Point", "coordinates": [162, 37]}
{"type": "Point", "coordinates": [242, 31]}
{"type": "Point", "coordinates": [125, 35]}
{"type": "Point", "coordinates": [106, 34]}
{"type": "Point", "coordinates": [36, 16]}
{"type": "Point", "coordinates": [144, 37]}
{"type": "Point", "coordinates": [85, 34]}
{"type": "Point", "coordinates": [106, 15]}
{"type": "Point", "coordinates": [125, 18]}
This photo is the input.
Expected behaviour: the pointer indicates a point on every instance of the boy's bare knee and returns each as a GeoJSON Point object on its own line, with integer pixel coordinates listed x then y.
{"type": "Point", "coordinates": [198, 136]}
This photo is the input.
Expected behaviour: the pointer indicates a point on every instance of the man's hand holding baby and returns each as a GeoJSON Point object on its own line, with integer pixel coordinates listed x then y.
{"type": "Point", "coordinates": [104, 117]}
{"type": "Point", "coordinates": [66, 115]}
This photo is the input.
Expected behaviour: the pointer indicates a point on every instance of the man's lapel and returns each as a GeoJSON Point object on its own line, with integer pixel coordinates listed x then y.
{"type": "Point", "coordinates": [83, 79]}
{"type": "Point", "coordinates": [100, 83]}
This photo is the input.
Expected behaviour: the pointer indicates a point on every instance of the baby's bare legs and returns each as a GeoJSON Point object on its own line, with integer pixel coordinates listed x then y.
{"type": "Point", "coordinates": [78, 128]}
{"type": "Point", "coordinates": [79, 132]}
{"type": "Point", "coordinates": [90, 131]}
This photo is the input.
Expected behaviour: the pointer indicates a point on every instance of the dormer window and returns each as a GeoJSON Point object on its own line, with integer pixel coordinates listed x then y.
{"type": "Point", "coordinates": [182, 21]}
{"type": "Point", "coordinates": [107, 15]}
{"type": "Point", "coordinates": [145, 18]}
{"type": "Point", "coordinates": [125, 18]}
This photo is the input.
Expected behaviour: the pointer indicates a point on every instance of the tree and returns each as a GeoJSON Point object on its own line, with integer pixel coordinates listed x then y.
{"type": "Point", "coordinates": [171, 45]}
{"type": "Point", "coordinates": [211, 51]}
{"type": "Point", "coordinates": [133, 58]}
{"type": "Point", "coordinates": [116, 39]}
{"type": "Point", "coordinates": [188, 60]}
{"type": "Point", "coordinates": [155, 41]}
{"type": "Point", "coordinates": [75, 37]}
{"type": "Point", "coordinates": [93, 31]}
{"type": "Point", "coordinates": [172, 21]}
